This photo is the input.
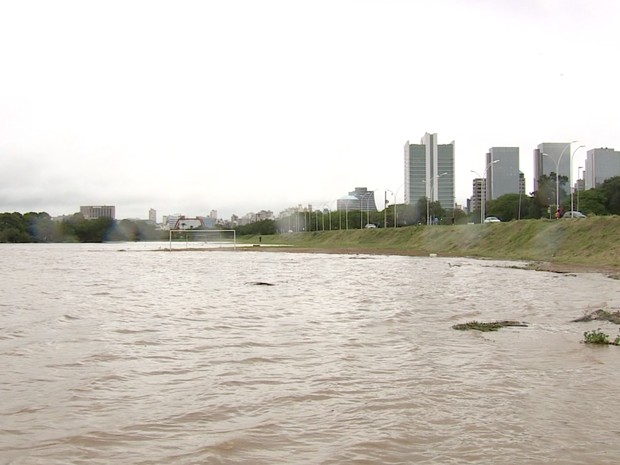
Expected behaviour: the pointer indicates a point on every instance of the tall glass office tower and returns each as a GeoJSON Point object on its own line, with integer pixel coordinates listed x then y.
{"type": "Point", "coordinates": [551, 157]}
{"type": "Point", "coordinates": [429, 171]}
{"type": "Point", "coordinates": [503, 175]}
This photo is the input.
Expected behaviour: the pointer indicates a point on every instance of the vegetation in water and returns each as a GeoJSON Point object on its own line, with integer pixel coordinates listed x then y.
{"type": "Point", "coordinates": [601, 315]}
{"type": "Point", "coordinates": [596, 336]}
{"type": "Point", "coordinates": [488, 326]}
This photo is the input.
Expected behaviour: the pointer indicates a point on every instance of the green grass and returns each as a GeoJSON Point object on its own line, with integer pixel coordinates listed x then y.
{"type": "Point", "coordinates": [596, 336]}
{"type": "Point", "coordinates": [489, 326]}
{"type": "Point", "coordinates": [592, 241]}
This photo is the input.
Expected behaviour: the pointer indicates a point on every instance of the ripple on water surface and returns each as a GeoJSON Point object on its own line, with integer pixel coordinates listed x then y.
{"type": "Point", "coordinates": [148, 357]}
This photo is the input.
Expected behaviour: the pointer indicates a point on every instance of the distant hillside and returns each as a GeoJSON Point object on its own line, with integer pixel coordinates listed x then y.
{"type": "Point", "coordinates": [594, 241]}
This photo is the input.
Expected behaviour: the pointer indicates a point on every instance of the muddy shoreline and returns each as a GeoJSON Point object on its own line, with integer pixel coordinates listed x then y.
{"type": "Point", "coordinates": [555, 267]}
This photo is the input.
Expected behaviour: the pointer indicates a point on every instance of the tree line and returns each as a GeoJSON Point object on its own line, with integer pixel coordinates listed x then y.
{"type": "Point", "coordinates": [40, 227]}
{"type": "Point", "coordinates": [601, 200]}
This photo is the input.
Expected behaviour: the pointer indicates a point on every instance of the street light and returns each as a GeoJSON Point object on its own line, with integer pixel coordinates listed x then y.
{"type": "Point", "coordinates": [483, 190]}
{"type": "Point", "coordinates": [395, 215]}
{"type": "Point", "coordinates": [570, 178]}
{"type": "Point", "coordinates": [385, 202]}
{"type": "Point", "coordinates": [430, 192]}
{"type": "Point", "coordinates": [578, 179]}
{"type": "Point", "coordinates": [367, 196]}
{"type": "Point", "coordinates": [347, 199]}
{"type": "Point", "coordinates": [557, 172]}
{"type": "Point", "coordinates": [326, 206]}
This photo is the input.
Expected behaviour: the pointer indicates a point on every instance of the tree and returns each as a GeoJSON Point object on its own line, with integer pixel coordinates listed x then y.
{"type": "Point", "coordinates": [505, 207]}
{"type": "Point", "coordinates": [42, 228]}
{"type": "Point", "coordinates": [459, 216]}
{"type": "Point", "coordinates": [545, 194]}
{"type": "Point", "coordinates": [263, 227]}
{"type": "Point", "coordinates": [77, 228]}
{"type": "Point", "coordinates": [13, 228]}
{"type": "Point", "coordinates": [592, 202]}
{"type": "Point", "coordinates": [611, 190]}
{"type": "Point", "coordinates": [408, 214]}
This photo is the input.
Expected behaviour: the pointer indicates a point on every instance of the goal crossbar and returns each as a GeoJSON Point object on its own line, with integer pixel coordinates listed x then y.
{"type": "Point", "coordinates": [192, 235]}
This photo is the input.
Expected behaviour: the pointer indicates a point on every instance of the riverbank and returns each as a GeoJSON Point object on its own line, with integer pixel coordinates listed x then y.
{"type": "Point", "coordinates": [555, 245]}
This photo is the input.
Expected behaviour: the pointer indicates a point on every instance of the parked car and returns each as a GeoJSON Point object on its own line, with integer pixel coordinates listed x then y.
{"type": "Point", "coordinates": [573, 214]}
{"type": "Point", "coordinates": [492, 219]}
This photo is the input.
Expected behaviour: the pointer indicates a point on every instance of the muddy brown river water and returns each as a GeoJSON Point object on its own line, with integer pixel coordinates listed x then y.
{"type": "Point", "coordinates": [116, 353]}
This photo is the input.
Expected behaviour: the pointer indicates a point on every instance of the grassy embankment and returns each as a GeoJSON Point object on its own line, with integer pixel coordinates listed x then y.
{"type": "Point", "coordinates": [591, 242]}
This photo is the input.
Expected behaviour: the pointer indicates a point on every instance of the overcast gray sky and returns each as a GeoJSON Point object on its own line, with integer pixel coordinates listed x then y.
{"type": "Point", "coordinates": [243, 105]}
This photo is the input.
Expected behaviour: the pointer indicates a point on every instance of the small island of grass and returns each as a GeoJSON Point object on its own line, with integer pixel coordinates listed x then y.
{"type": "Point", "coordinates": [488, 326]}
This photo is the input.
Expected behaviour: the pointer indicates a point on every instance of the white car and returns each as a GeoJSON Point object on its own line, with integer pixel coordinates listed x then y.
{"type": "Point", "coordinates": [573, 214]}
{"type": "Point", "coordinates": [492, 219]}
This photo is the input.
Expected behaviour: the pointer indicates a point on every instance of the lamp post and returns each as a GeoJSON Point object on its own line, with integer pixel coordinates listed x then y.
{"type": "Point", "coordinates": [483, 189]}
{"type": "Point", "coordinates": [557, 172]}
{"type": "Point", "coordinates": [570, 179]}
{"type": "Point", "coordinates": [367, 197]}
{"type": "Point", "coordinates": [346, 201]}
{"type": "Point", "coordinates": [395, 215]}
{"type": "Point", "coordinates": [579, 168]}
{"type": "Point", "coordinates": [385, 202]}
{"type": "Point", "coordinates": [430, 192]}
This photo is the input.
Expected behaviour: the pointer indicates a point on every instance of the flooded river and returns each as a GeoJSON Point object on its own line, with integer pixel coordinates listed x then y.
{"type": "Point", "coordinates": [117, 354]}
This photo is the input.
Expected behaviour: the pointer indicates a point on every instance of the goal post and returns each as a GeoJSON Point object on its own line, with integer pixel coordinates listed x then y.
{"type": "Point", "coordinates": [202, 238]}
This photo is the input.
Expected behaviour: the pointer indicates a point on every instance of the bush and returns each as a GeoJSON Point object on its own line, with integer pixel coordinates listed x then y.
{"type": "Point", "coordinates": [596, 336]}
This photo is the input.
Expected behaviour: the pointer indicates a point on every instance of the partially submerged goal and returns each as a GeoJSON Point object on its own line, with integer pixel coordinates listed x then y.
{"type": "Point", "coordinates": [202, 238]}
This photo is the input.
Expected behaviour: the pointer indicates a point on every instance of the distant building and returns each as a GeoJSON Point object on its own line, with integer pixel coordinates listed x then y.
{"type": "Point", "coordinates": [153, 215]}
{"type": "Point", "coordinates": [359, 199]}
{"type": "Point", "coordinates": [170, 221]}
{"type": "Point", "coordinates": [477, 194]}
{"type": "Point", "coordinates": [213, 216]}
{"type": "Point", "coordinates": [503, 175]}
{"type": "Point", "coordinates": [92, 212]}
{"type": "Point", "coordinates": [580, 185]}
{"type": "Point", "coordinates": [601, 164]}
{"type": "Point", "coordinates": [184, 222]}
{"type": "Point", "coordinates": [429, 171]}
{"type": "Point", "coordinates": [551, 157]}
{"type": "Point", "coordinates": [348, 203]}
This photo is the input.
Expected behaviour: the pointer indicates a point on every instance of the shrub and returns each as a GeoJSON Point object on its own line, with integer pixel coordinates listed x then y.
{"type": "Point", "coordinates": [596, 336]}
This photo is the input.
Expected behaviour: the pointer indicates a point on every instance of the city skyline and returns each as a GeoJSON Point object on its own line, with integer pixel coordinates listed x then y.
{"type": "Point", "coordinates": [501, 163]}
{"type": "Point", "coordinates": [243, 106]}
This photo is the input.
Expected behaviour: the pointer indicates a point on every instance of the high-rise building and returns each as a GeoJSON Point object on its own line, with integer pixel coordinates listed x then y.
{"type": "Point", "coordinates": [477, 193]}
{"type": "Point", "coordinates": [551, 157]}
{"type": "Point", "coordinates": [153, 215]}
{"type": "Point", "coordinates": [429, 171]}
{"type": "Point", "coordinates": [92, 212]}
{"type": "Point", "coordinates": [601, 164]}
{"type": "Point", "coordinates": [503, 175]}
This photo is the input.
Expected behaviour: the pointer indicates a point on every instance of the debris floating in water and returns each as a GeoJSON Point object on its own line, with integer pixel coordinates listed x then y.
{"type": "Point", "coordinates": [601, 315]}
{"type": "Point", "coordinates": [488, 326]}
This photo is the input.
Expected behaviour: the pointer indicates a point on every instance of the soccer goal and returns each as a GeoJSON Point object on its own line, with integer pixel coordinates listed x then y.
{"type": "Point", "coordinates": [202, 238]}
